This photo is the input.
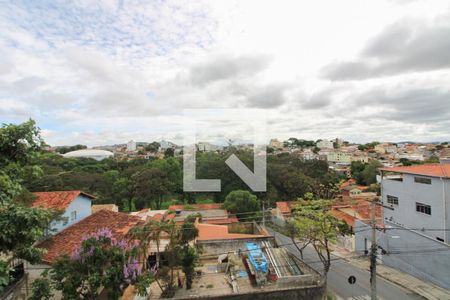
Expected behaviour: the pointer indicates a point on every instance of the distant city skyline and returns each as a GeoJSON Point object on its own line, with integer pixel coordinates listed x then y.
{"type": "Point", "coordinates": [99, 73]}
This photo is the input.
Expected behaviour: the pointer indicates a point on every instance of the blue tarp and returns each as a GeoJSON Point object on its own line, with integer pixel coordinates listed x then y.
{"type": "Point", "coordinates": [257, 257]}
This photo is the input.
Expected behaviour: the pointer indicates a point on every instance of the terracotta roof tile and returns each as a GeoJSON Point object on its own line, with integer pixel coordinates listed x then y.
{"type": "Point", "coordinates": [219, 232]}
{"type": "Point", "coordinates": [197, 206]}
{"type": "Point", "coordinates": [98, 207]}
{"type": "Point", "coordinates": [436, 170]}
{"type": "Point", "coordinates": [286, 206]}
{"type": "Point", "coordinates": [66, 241]}
{"type": "Point", "coordinates": [57, 200]}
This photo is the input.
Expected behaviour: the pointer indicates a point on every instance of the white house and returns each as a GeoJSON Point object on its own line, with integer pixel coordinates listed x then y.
{"type": "Point", "coordinates": [420, 198]}
{"type": "Point", "coordinates": [75, 205]}
{"type": "Point", "coordinates": [131, 146]}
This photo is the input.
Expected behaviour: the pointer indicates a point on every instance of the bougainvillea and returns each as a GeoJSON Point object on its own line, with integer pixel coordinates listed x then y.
{"type": "Point", "coordinates": [100, 261]}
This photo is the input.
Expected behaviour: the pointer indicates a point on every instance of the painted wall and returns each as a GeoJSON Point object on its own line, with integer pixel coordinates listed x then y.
{"type": "Point", "coordinates": [410, 192]}
{"type": "Point", "coordinates": [409, 251]}
{"type": "Point", "coordinates": [81, 205]}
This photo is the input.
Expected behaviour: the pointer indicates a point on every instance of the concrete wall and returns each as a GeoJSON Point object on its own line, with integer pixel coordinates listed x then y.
{"type": "Point", "coordinates": [82, 206]}
{"type": "Point", "coordinates": [410, 192]}
{"type": "Point", "coordinates": [224, 246]}
{"type": "Point", "coordinates": [409, 251]}
{"type": "Point", "coordinates": [315, 292]}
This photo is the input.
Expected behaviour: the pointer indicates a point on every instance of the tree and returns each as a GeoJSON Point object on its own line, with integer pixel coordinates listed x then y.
{"type": "Point", "coordinates": [243, 203]}
{"type": "Point", "coordinates": [313, 222]}
{"type": "Point", "coordinates": [153, 147]}
{"type": "Point", "coordinates": [41, 289]}
{"type": "Point", "coordinates": [21, 225]}
{"type": "Point", "coordinates": [169, 152]}
{"type": "Point", "coordinates": [101, 261]}
{"type": "Point", "coordinates": [151, 184]}
{"type": "Point", "coordinates": [189, 256]}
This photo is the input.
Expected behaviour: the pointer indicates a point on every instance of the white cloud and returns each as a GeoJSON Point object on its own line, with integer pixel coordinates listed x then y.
{"type": "Point", "coordinates": [100, 73]}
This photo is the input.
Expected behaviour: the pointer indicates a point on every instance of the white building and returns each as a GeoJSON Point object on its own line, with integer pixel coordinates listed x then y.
{"type": "Point", "coordinates": [325, 144]}
{"type": "Point", "coordinates": [89, 153]}
{"type": "Point", "coordinates": [420, 198]}
{"type": "Point", "coordinates": [131, 146]}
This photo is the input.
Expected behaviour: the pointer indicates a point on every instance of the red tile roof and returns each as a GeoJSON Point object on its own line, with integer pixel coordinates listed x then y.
{"type": "Point", "coordinates": [196, 206]}
{"type": "Point", "coordinates": [208, 232]}
{"type": "Point", "coordinates": [57, 200]}
{"type": "Point", "coordinates": [98, 207]}
{"type": "Point", "coordinates": [286, 206]}
{"type": "Point", "coordinates": [361, 210]}
{"type": "Point", "coordinates": [66, 241]}
{"type": "Point", "coordinates": [435, 170]}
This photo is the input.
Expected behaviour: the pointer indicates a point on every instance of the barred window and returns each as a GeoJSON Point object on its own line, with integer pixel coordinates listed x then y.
{"type": "Point", "coordinates": [423, 208]}
{"type": "Point", "coordinates": [422, 180]}
{"type": "Point", "coordinates": [392, 199]}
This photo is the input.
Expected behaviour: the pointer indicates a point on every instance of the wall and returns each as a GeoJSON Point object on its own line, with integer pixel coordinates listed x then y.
{"type": "Point", "coordinates": [409, 251]}
{"type": "Point", "coordinates": [82, 205]}
{"type": "Point", "coordinates": [225, 246]}
{"type": "Point", "coordinates": [410, 192]}
{"type": "Point", "coordinates": [304, 293]}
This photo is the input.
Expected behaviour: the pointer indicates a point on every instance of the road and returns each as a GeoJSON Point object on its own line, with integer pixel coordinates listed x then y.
{"type": "Point", "coordinates": [340, 271]}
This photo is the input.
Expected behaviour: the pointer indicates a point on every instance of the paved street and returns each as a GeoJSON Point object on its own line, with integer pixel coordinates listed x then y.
{"type": "Point", "coordinates": [341, 270]}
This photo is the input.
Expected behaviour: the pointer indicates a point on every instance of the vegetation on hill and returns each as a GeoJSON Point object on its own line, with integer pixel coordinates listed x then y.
{"type": "Point", "coordinates": [126, 183]}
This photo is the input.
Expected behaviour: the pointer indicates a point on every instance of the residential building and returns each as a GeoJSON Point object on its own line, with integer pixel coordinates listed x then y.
{"type": "Point", "coordinates": [420, 198]}
{"type": "Point", "coordinates": [131, 146]}
{"type": "Point", "coordinates": [385, 148]}
{"type": "Point", "coordinates": [68, 240]}
{"type": "Point", "coordinates": [207, 147]}
{"type": "Point", "coordinates": [283, 211]}
{"type": "Point", "coordinates": [276, 144]}
{"type": "Point", "coordinates": [75, 205]}
{"type": "Point", "coordinates": [339, 157]}
{"type": "Point", "coordinates": [325, 144]}
{"type": "Point", "coordinates": [416, 222]}
{"type": "Point", "coordinates": [243, 261]}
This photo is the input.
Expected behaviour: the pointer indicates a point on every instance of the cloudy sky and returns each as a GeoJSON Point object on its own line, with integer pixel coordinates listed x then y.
{"type": "Point", "coordinates": [96, 73]}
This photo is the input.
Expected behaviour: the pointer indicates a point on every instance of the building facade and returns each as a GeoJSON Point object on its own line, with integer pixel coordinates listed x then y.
{"type": "Point", "coordinates": [75, 205]}
{"type": "Point", "coordinates": [419, 197]}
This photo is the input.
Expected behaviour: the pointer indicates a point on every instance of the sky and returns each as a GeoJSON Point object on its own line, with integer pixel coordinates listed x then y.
{"type": "Point", "coordinates": [105, 72]}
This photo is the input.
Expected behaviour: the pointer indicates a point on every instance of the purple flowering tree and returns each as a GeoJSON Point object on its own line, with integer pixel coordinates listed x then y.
{"type": "Point", "coordinates": [101, 261]}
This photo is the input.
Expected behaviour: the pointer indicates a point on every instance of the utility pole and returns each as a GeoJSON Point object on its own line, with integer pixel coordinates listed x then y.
{"type": "Point", "coordinates": [373, 254]}
{"type": "Point", "coordinates": [264, 213]}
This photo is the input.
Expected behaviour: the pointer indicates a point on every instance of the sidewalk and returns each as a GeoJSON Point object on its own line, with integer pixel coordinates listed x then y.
{"type": "Point", "coordinates": [409, 282]}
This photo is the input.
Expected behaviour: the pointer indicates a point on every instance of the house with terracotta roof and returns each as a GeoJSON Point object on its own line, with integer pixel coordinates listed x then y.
{"type": "Point", "coordinates": [69, 239]}
{"type": "Point", "coordinates": [75, 205]}
{"type": "Point", "coordinates": [419, 197]}
{"type": "Point", "coordinates": [283, 211]}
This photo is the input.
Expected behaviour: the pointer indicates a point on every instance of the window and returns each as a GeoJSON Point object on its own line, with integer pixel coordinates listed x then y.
{"type": "Point", "coordinates": [423, 208]}
{"type": "Point", "coordinates": [422, 180]}
{"type": "Point", "coordinates": [73, 215]}
{"type": "Point", "coordinates": [392, 199]}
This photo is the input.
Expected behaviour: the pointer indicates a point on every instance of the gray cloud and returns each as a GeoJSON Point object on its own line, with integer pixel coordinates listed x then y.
{"type": "Point", "coordinates": [224, 67]}
{"type": "Point", "coordinates": [267, 97]}
{"type": "Point", "coordinates": [399, 48]}
{"type": "Point", "coordinates": [419, 105]}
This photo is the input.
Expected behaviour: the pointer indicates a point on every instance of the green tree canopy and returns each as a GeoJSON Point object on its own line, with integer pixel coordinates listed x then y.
{"type": "Point", "coordinates": [243, 203]}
